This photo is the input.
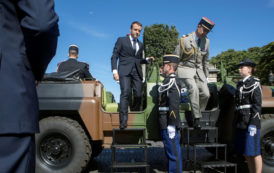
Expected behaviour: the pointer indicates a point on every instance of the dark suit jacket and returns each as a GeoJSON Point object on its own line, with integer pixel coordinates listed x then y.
{"type": "Point", "coordinates": [28, 41]}
{"type": "Point", "coordinates": [72, 65]}
{"type": "Point", "coordinates": [127, 58]}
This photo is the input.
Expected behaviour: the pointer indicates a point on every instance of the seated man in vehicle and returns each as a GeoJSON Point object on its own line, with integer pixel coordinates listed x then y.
{"type": "Point", "coordinates": [73, 64]}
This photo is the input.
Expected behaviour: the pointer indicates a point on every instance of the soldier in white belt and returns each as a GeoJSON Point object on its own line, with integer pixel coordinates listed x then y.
{"type": "Point", "coordinates": [193, 50]}
{"type": "Point", "coordinates": [248, 99]}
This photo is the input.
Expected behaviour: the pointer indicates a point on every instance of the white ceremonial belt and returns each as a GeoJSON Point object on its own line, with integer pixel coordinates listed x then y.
{"type": "Point", "coordinates": [243, 107]}
{"type": "Point", "coordinates": [163, 108]}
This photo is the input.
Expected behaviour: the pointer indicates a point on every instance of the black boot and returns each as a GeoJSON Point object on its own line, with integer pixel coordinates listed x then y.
{"type": "Point", "coordinates": [197, 124]}
{"type": "Point", "coordinates": [123, 126]}
{"type": "Point", "coordinates": [123, 121]}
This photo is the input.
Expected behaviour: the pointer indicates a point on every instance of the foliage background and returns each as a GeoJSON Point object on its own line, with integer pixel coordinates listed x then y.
{"type": "Point", "coordinates": [160, 39]}
{"type": "Point", "coordinates": [262, 56]}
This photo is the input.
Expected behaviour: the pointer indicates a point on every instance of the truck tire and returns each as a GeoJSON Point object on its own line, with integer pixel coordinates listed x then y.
{"type": "Point", "coordinates": [61, 146]}
{"type": "Point", "coordinates": [267, 142]}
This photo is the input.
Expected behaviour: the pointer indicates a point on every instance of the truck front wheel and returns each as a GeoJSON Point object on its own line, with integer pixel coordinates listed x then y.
{"type": "Point", "coordinates": [267, 142]}
{"type": "Point", "coordinates": [61, 146]}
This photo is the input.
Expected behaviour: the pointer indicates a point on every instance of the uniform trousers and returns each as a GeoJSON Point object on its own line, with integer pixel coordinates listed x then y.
{"type": "Point", "coordinates": [198, 94]}
{"type": "Point", "coordinates": [17, 153]}
{"type": "Point", "coordinates": [173, 152]}
{"type": "Point", "coordinates": [130, 82]}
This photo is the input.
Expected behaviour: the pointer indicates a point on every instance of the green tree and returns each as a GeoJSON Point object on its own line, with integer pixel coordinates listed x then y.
{"type": "Point", "coordinates": [266, 63]}
{"type": "Point", "coordinates": [262, 56]}
{"type": "Point", "coordinates": [232, 58]}
{"type": "Point", "coordinates": [160, 39]}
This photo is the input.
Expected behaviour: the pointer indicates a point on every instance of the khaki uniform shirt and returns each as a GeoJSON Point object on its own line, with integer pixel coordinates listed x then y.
{"type": "Point", "coordinates": [193, 58]}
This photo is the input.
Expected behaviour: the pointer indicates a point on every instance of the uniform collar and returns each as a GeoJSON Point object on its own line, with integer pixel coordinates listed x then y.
{"type": "Point", "coordinates": [245, 78]}
{"type": "Point", "coordinates": [172, 75]}
{"type": "Point", "coordinates": [195, 37]}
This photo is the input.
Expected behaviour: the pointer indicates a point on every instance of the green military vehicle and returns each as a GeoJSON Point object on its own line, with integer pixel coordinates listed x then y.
{"type": "Point", "coordinates": [76, 122]}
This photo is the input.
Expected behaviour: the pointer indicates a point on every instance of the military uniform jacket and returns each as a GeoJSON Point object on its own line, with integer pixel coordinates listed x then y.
{"type": "Point", "coordinates": [193, 58]}
{"type": "Point", "coordinates": [169, 102]}
{"type": "Point", "coordinates": [72, 64]}
{"type": "Point", "coordinates": [248, 100]}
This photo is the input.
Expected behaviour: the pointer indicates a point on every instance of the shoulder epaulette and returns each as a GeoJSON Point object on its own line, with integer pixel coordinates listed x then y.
{"type": "Point", "coordinates": [257, 79]}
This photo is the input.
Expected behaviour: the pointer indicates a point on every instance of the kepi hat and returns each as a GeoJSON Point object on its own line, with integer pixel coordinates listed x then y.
{"type": "Point", "coordinates": [74, 47]}
{"type": "Point", "coordinates": [170, 58]}
{"type": "Point", "coordinates": [247, 62]}
{"type": "Point", "coordinates": [206, 23]}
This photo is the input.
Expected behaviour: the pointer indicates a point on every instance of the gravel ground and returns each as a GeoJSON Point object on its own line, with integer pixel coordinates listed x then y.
{"type": "Point", "coordinates": [156, 159]}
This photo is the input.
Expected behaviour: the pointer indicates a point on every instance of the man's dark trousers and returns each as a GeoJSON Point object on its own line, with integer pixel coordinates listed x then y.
{"type": "Point", "coordinates": [20, 158]}
{"type": "Point", "coordinates": [128, 82]}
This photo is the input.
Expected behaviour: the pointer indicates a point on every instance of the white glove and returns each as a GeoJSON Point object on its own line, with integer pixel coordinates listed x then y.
{"type": "Point", "coordinates": [252, 130]}
{"type": "Point", "coordinates": [171, 131]}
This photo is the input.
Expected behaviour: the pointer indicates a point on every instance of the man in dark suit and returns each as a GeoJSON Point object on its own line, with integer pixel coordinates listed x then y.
{"type": "Point", "coordinates": [72, 64]}
{"type": "Point", "coordinates": [129, 50]}
{"type": "Point", "coordinates": [28, 41]}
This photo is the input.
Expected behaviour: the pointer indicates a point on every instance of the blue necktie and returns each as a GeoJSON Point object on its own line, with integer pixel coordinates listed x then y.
{"type": "Point", "coordinates": [134, 44]}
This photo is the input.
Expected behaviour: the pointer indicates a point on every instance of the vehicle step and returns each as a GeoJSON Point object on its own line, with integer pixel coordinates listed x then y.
{"type": "Point", "coordinates": [129, 165]}
{"type": "Point", "coordinates": [129, 129]}
{"type": "Point", "coordinates": [217, 164]}
{"type": "Point", "coordinates": [129, 136]}
{"type": "Point", "coordinates": [128, 145]}
{"type": "Point", "coordinates": [202, 128]}
{"type": "Point", "coordinates": [209, 145]}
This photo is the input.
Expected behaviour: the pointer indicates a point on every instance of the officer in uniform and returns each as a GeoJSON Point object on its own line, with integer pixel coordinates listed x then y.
{"type": "Point", "coordinates": [193, 50]}
{"type": "Point", "coordinates": [169, 118]}
{"type": "Point", "coordinates": [73, 64]}
{"type": "Point", "coordinates": [248, 100]}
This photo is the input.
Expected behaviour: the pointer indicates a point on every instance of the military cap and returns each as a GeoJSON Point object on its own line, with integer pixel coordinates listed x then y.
{"type": "Point", "coordinates": [206, 23]}
{"type": "Point", "coordinates": [170, 59]}
{"type": "Point", "coordinates": [247, 62]}
{"type": "Point", "coordinates": [73, 47]}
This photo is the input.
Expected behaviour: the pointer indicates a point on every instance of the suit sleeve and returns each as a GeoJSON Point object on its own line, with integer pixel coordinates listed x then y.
{"type": "Point", "coordinates": [39, 24]}
{"type": "Point", "coordinates": [174, 101]}
{"type": "Point", "coordinates": [115, 54]}
{"type": "Point", "coordinates": [86, 72]}
{"type": "Point", "coordinates": [144, 60]}
{"type": "Point", "coordinates": [256, 100]}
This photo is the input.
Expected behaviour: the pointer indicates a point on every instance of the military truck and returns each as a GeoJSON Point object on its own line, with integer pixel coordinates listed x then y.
{"type": "Point", "coordinates": [76, 121]}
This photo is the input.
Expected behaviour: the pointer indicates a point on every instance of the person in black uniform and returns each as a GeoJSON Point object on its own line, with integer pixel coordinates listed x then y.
{"type": "Point", "coordinates": [29, 34]}
{"type": "Point", "coordinates": [73, 64]}
{"type": "Point", "coordinates": [248, 114]}
{"type": "Point", "coordinates": [129, 51]}
{"type": "Point", "coordinates": [169, 118]}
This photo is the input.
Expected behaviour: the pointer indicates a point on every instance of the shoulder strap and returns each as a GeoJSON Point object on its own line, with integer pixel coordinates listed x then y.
{"type": "Point", "coordinates": [183, 47]}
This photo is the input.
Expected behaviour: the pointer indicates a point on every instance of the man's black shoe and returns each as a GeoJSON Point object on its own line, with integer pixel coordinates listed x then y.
{"type": "Point", "coordinates": [197, 124]}
{"type": "Point", "coordinates": [123, 126]}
